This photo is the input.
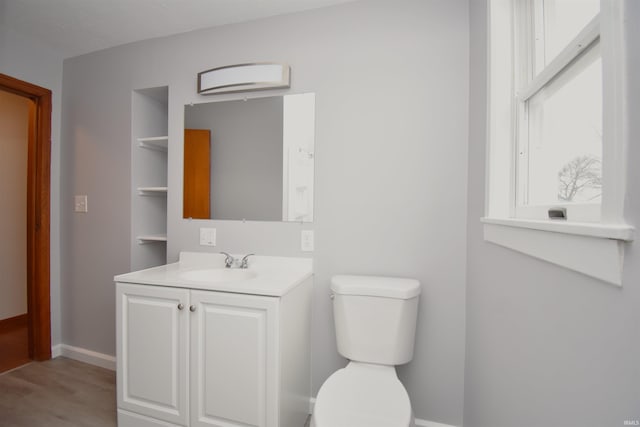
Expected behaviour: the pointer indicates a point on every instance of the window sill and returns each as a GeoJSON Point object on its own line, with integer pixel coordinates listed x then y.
{"type": "Point", "coordinates": [593, 249]}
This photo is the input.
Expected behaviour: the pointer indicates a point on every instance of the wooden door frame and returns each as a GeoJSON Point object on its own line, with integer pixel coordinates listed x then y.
{"type": "Point", "coordinates": [38, 214]}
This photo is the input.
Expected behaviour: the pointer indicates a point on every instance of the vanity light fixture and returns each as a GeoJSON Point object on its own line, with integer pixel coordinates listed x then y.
{"type": "Point", "coordinates": [244, 77]}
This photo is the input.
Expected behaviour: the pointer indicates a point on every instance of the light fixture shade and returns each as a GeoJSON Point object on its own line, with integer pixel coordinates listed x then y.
{"type": "Point", "coordinates": [244, 77]}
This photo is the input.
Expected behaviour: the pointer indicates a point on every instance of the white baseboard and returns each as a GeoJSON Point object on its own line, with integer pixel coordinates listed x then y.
{"type": "Point", "coordinates": [418, 421]}
{"type": "Point", "coordinates": [425, 423]}
{"type": "Point", "coordinates": [84, 355]}
{"type": "Point", "coordinates": [56, 351]}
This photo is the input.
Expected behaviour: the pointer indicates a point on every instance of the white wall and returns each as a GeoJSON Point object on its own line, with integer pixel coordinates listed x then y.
{"type": "Point", "coordinates": [14, 138]}
{"type": "Point", "coordinates": [391, 84]}
{"type": "Point", "coordinates": [547, 346]}
{"type": "Point", "coordinates": [29, 60]}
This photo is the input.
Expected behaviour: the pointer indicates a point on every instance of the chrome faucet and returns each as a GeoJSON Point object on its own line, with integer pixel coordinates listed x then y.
{"type": "Point", "coordinates": [245, 261]}
{"type": "Point", "coordinates": [231, 262]}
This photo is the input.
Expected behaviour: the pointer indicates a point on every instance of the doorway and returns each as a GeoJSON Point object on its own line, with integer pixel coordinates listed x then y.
{"type": "Point", "coordinates": [38, 315]}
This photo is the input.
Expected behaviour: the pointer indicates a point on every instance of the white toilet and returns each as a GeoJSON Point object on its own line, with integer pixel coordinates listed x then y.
{"type": "Point", "coordinates": [375, 321]}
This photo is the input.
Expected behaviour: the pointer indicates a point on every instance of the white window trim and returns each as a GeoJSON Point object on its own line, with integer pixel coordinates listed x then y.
{"type": "Point", "coordinates": [594, 249]}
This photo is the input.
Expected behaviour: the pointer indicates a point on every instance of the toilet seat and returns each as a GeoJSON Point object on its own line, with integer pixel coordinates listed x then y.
{"type": "Point", "coordinates": [363, 395]}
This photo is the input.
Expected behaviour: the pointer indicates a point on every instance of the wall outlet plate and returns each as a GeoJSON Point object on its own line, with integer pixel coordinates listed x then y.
{"type": "Point", "coordinates": [81, 204]}
{"type": "Point", "coordinates": [306, 240]}
{"type": "Point", "coordinates": [207, 237]}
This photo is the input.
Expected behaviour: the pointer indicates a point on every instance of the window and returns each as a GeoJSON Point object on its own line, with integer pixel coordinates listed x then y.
{"type": "Point", "coordinates": [558, 92]}
{"type": "Point", "coordinates": [556, 138]}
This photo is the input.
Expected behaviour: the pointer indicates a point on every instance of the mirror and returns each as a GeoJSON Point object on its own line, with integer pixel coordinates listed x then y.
{"type": "Point", "coordinates": [250, 159]}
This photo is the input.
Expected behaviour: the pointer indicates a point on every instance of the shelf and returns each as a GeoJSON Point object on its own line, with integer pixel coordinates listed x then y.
{"type": "Point", "coordinates": [152, 191]}
{"type": "Point", "coordinates": [149, 145]}
{"type": "Point", "coordinates": [154, 143]}
{"type": "Point", "coordinates": [152, 238]}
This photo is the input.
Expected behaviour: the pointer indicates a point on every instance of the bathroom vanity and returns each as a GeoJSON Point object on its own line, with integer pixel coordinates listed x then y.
{"type": "Point", "coordinates": [199, 344]}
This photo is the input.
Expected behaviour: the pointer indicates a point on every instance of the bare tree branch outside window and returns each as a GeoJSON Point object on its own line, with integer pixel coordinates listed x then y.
{"type": "Point", "coordinates": [580, 179]}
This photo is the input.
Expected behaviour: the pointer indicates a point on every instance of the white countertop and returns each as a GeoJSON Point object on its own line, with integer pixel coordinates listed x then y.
{"type": "Point", "coordinates": [274, 276]}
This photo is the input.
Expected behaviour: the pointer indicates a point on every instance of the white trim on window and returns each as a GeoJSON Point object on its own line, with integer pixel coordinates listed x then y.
{"type": "Point", "coordinates": [602, 231]}
{"type": "Point", "coordinates": [592, 248]}
{"type": "Point", "coordinates": [583, 41]}
{"type": "Point", "coordinates": [615, 118]}
{"type": "Point", "coordinates": [593, 256]}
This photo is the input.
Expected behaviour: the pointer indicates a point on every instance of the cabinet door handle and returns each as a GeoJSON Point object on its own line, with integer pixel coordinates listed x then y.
{"type": "Point", "coordinates": [180, 306]}
{"type": "Point", "coordinates": [192, 308]}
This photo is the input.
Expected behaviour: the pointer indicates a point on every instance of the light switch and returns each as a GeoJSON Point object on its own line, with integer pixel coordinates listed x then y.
{"type": "Point", "coordinates": [306, 240]}
{"type": "Point", "coordinates": [207, 237]}
{"type": "Point", "coordinates": [81, 204]}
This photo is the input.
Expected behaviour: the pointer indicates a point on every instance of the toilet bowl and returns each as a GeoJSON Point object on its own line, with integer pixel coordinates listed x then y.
{"type": "Point", "coordinates": [375, 320]}
{"type": "Point", "coordinates": [363, 395]}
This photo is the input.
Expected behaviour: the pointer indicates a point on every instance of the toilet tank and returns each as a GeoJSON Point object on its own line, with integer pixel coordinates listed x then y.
{"type": "Point", "coordinates": [375, 318]}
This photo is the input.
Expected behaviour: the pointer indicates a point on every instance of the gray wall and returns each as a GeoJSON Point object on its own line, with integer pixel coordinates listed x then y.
{"type": "Point", "coordinates": [29, 60]}
{"type": "Point", "coordinates": [391, 84]}
{"type": "Point", "coordinates": [246, 156]}
{"type": "Point", "coordinates": [547, 346]}
{"type": "Point", "coordinates": [14, 138]}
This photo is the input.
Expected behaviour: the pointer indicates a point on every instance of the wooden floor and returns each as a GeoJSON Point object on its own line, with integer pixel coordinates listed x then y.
{"type": "Point", "coordinates": [58, 393]}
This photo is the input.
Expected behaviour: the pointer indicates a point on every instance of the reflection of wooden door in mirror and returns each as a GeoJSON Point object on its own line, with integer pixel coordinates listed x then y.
{"type": "Point", "coordinates": [197, 170]}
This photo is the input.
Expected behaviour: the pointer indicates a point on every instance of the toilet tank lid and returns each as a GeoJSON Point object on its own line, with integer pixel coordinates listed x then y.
{"type": "Point", "coordinates": [376, 286]}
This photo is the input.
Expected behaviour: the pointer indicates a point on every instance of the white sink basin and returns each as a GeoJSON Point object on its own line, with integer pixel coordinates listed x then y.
{"type": "Point", "coordinates": [218, 275]}
{"type": "Point", "coordinates": [266, 275]}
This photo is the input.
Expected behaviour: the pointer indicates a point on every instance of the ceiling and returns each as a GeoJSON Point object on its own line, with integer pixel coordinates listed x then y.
{"type": "Point", "coordinates": [74, 27]}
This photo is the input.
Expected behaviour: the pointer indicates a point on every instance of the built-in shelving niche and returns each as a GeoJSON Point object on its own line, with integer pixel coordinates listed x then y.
{"type": "Point", "coordinates": [149, 150]}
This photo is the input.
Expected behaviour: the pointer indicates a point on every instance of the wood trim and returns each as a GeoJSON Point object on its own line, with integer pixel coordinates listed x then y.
{"type": "Point", "coordinates": [31, 255]}
{"type": "Point", "coordinates": [38, 213]}
{"type": "Point", "coordinates": [197, 174]}
{"type": "Point", "coordinates": [13, 323]}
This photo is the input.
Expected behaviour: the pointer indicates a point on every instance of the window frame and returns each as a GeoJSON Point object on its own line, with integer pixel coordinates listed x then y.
{"type": "Point", "coordinates": [592, 248]}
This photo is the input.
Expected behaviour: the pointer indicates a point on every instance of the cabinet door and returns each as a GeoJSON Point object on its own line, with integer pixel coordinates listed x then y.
{"type": "Point", "coordinates": [152, 351]}
{"type": "Point", "coordinates": [234, 367]}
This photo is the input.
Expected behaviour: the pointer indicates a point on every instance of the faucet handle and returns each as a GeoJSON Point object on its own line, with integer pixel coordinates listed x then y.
{"type": "Point", "coordinates": [228, 261]}
{"type": "Point", "coordinates": [245, 261]}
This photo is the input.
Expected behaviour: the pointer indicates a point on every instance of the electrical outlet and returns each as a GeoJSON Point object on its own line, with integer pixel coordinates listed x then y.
{"type": "Point", "coordinates": [207, 237]}
{"type": "Point", "coordinates": [81, 204]}
{"type": "Point", "coordinates": [306, 240]}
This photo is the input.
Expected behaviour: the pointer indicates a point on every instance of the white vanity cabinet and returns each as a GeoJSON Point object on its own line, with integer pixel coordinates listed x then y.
{"type": "Point", "coordinates": [193, 357]}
